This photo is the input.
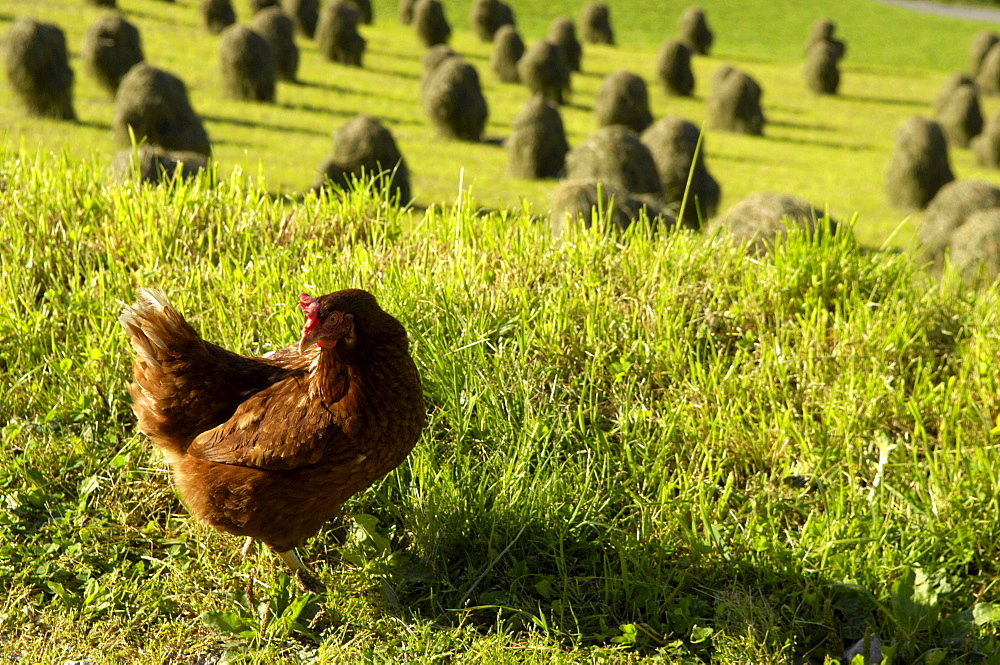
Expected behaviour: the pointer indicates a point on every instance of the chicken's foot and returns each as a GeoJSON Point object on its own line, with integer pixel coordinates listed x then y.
{"type": "Point", "coordinates": [247, 548]}
{"type": "Point", "coordinates": [305, 578]}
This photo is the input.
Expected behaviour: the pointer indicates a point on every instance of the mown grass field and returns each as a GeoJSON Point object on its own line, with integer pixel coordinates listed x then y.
{"type": "Point", "coordinates": [648, 448]}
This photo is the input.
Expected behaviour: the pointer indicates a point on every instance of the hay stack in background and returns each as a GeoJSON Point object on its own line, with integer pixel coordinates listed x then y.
{"type": "Point", "coordinates": [615, 155]}
{"type": "Point", "coordinates": [596, 24]}
{"type": "Point", "coordinates": [762, 220]}
{"type": "Point", "coordinates": [217, 15]}
{"type": "Point", "coordinates": [673, 68]}
{"type": "Point", "coordinates": [821, 32]}
{"type": "Point", "coordinates": [258, 5]}
{"type": "Point", "coordinates": [694, 31]}
{"type": "Point", "coordinates": [430, 23]}
{"type": "Point", "coordinates": [337, 33]}
{"type": "Point", "coordinates": [673, 143]}
{"type": "Point", "coordinates": [975, 247]}
{"type": "Point", "coordinates": [110, 47]}
{"type": "Point", "coordinates": [988, 77]}
{"type": "Point", "coordinates": [622, 99]}
{"type": "Point", "coordinates": [949, 210]}
{"type": "Point", "coordinates": [364, 149]}
{"type": "Point", "coordinates": [431, 60]}
{"type": "Point", "coordinates": [37, 66]}
{"type": "Point", "coordinates": [579, 202]}
{"type": "Point", "coordinates": [154, 103]}
{"type": "Point", "coordinates": [246, 65]}
{"type": "Point", "coordinates": [365, 13]}
{"type": "Point", "coordinates": [537, 147]}
{"type": "Point", "coordinates": [986, 146]}
{"type": "Point", "coordinates": [488, 16]}
{"type": "Point", "coordinates": [734, 102]}
{"type": "Point", "coordinates": [821, 71]}
{"type": "Point", "coordinates": [919, 165]}
{"type": "Point", "coordinates": [304, 15]}
{"type": "Point", "coordinates": [508, 49]}
{"type": "Point", "coordinates": [453, 100]}
{"type": "Point", "coordinates": [563, 34]}
{"type": "Point", "coordinates": [960, 116]}
{"type": "Point", "coordinates": [951, 84]}
{"type": "Point", "coordinates": [980, 46]}
{"type": "Point", "coordinates": [278, 29]}
{"type": "Point", "coordinates": [405, 11]}
{"type": "Point", "coordinates": [544, 70]}
{"type": "Point", "coordinates": [153, 164]}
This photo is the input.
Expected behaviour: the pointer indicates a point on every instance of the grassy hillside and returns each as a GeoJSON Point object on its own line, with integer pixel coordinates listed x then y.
{"type": "Point", "coordinates": [636, 447]}
{"type": "Point", "coordinates": [832, 151]}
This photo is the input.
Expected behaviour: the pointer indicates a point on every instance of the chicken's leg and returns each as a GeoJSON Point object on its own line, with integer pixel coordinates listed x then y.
{"type": "Point", "coordinates": [306, 579]}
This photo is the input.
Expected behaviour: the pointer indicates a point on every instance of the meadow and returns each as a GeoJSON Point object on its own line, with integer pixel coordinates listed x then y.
{"type": "Point", "coordinates": [640, 448]}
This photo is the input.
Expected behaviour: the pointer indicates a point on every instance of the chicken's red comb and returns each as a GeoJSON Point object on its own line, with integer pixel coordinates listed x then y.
{"type": "Point", "coordinates": [310, 307]}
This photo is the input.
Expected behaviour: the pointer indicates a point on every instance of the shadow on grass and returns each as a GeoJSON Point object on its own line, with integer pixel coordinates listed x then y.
{"type": "Point", "coordinates": [830, 145]}
{"type": "Point", "coordinates": [251, 124]}
{"type": "Point", "coordinates": [604, 587]}
{"type": "Point", "coordinates": [868, 99]}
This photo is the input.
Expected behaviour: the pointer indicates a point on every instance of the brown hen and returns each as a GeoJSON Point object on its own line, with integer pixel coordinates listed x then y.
{"type": "Point", "coordinates": [270, 447]}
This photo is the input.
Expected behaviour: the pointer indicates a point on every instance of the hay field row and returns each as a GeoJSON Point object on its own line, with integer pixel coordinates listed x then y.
{"type": "Point", "coordinates": [831, 151]}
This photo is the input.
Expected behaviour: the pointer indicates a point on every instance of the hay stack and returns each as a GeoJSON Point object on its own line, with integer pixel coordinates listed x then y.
{"type": "Point", "coordinates": [763, 220]}
{"type": "Point", "coordinates": [453, 100]}
{"type": "Point", "coordinates": [508, 48]}
{"type": "Point", "coordinates": [110, 47]}
{"type": "Point", "coordinates": [821, 32]}
{"type": "Point", "coordinates": [820, 71]}
{"type": "Point", "coordinates": [365, 12]}
{"type": "Point", "coordinates": [672, 143]}
{"type": "Point", "coordinates": [217, 15]}
{"type": "Point", "coordinates": [37, 66]}
{"type": "Point", "coordinates": [975, 247]}
{"type": "Point", "coordinates": [960, 116]}
{"type": "Point", "coordinates": [596, 24]}
{"type": "Point", "coordinates": [563, 33]}
{"type": "Point", "coordinates": [543, 69]}
{"type": "Point", "coordinates": [694, 30]}
{"type": "Point", "coordinates": [948, 211]}
{"type": "Point", "coordinates": [919, 166]}
{"type": "Point", "coordinates": [364, 149]}
{"type": "Point", "coordinates": [988, 78]}
{"type": "Point", "coordinates": [734, 102]}
{"type": "Point", "coordinates": [258, 5]}
{"type": "Point", "coordinates": [615, 155]}
{"type": "Point", "coordinates": [673, 68]}
{"type": "Point", "coordinates": [154, 103]}
{"type": "Point", "coordinates": [953, 83]}
{"type": "Point", "coordinates": [986, 146]}
{"type": "Point", "coordinates": [622, 99]}
{"type": "Point", "coordinates": [153, 164]}
{"type": "Point", "coordinates": [431, 60]}
{"type": "Point", "coordinates": [405, 11]}
{"type": "Point", "coordinates": [537, 147]}
{"type": "Point", "coordinates": [246, 65]}
{"type": "Point", "coordinates": [980, 46]}
{"type": "Point", "coordinates": [488, 16]}
{"type": "Point", "coordinates": [304, 15]}
{"type": "Point", "coordinates": [576, 202]}
{"type": "Point", "coordinates": [430, 23]}
{"type": "Point", "coordinates": [278, 29]}
{"type": "Point", "coordinates": [337, 33]}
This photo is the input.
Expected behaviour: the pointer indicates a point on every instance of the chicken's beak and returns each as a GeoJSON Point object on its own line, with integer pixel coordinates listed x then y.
{"type": "Point", "coordinates": [309, 337]}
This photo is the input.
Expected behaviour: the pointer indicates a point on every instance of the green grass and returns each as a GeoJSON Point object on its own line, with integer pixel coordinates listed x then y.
{"type": "Point", "coordinates": [642, 448]}
{"type": "Point", "coordinates": [832, 151]}
{"type": "Point", "coordinates": [636, 447]}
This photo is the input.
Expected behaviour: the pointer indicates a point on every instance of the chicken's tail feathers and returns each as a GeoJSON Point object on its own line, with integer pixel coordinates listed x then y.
{"type": "Point", "coordinates": [161, 339]}
{"type": "Point", "coordinates": [154, 327]}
